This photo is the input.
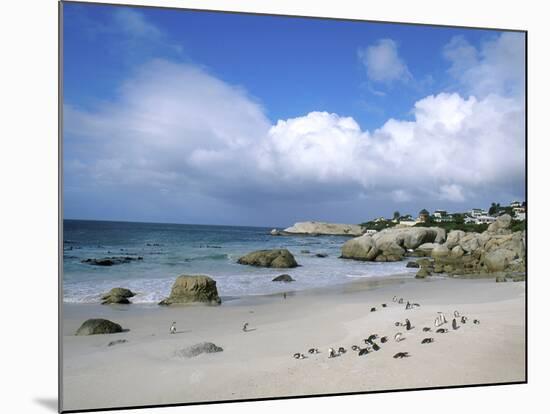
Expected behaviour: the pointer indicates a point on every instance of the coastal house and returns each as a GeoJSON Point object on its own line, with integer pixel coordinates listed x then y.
{"type": "Point", "coordinates": [478, 212]}
{"type": "Point", "coordinates": [370, 231]}
{"type": "Point", "coordinates": [484, 219]}
{"type": "Point", "coordinates": [515, 204]}
{"type": "Point", "coordinates": [440, 213]}
{"type": "Point", "coordinates": [469, 220]}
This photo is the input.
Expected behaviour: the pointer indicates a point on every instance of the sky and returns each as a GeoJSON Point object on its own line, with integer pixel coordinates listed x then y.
{"type": "Point", "coordinates": [216, 118]}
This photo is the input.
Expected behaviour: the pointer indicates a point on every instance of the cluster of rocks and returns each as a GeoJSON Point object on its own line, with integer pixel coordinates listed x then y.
{"type": "Point", "coordinates": [98, 327]}
{"type": "Point", "coordinates": [391, 245]}
{"type": "Point", "coordinates": [111, 261]}
{"type": "Point", "coordinates": [197, 349]}
{"type": "Point", "coordinates": [117, 296]}
{"type": "Point", "coordinates": [497, 251]}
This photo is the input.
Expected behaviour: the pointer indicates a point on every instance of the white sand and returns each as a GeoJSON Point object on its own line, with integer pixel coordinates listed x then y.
{"type": "Point", "coordinates": [259, 363]}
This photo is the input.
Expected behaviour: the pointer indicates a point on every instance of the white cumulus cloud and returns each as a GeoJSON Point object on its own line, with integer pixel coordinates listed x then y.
{"type": "Point", "coordinates": [383, 63]}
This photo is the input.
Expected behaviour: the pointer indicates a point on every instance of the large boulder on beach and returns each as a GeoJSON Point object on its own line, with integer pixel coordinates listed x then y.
{"type": "Point", "coordinates": [197, 349]}
{"type": "Point", "coordinates": [283, 278]}
{"type": "Point", "coordinates": [360, 248]}
{"type": "Point", "coordinates": [117, 295]}
{"type": "Point", "coordinates": [188, 289]}
{"type": "Point", "coordinates": [279, 258]}
{"type": "Point", "coordinates": [98, 327]}
{"type": "Point", "coordinates": [322, 228]}
{"type": "Point", "coordinates": [498, 260]}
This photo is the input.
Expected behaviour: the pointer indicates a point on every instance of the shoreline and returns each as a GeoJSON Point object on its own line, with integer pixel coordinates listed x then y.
{"type": "Point", "coordinates": [259, 363]}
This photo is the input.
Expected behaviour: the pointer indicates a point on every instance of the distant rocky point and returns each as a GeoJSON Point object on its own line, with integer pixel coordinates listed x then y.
{"type": "Point", "coordinates": [317, 228]}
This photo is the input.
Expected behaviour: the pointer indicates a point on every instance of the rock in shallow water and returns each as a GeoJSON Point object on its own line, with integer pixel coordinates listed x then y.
{"type": "Point", "coordinates": [279, 258]}
{"type": "Point", "coordinates": [283, 278]}
{"type": "Point", "coordinates": [117, 295]}
{"type": "Point", "coordinates": [98, 327]}
{"type": "Point", "coordinates": [197, 349]}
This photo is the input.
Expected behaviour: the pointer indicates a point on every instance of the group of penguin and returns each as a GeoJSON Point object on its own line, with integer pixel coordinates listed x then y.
{"type": "Point", "coordinates": [372, 346]}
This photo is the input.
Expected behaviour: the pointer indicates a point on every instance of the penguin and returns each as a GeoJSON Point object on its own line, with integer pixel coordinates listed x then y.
{"type": "Point", "coordinates": [341, 350]}
{"type": "Point", "coordinates": [384, 305]}
{"type": "Point", "coordinates": [400, 301]}
{"type": "Point", "coordinates": [442, 330]}
{"type": "Point", "coordinates": [456, 314]}
{"type": "Point", "coordinates": [401, 355]}
{"type": "Point", "coordinates": [372, 338]}
{"type": "Point", "coordinates": [394, 299]}
{"type": "Point", "coordinates": [427, 341]}
{"type": "Point", "coordinates": [363, 351]}
{"type": "Point", "coordinates": [284, 295]}
{"type": "Point", "coordinates": [373, 309]}
{"type": "Point", "coordinates": [408, 325]}
{"type": "Point", "coordinates": [426, 329]}
{"type": "Point", "coordinates": [355, 348]}
{"type": "Point", "coordinates": [463, 319]}
{"type": "Point", "coordinates": [397, 323]}
{"type": "Point", "coordinates": [298, 355]}
{"type": "Point", "coordinates": [398, 337]}
{"type": "Point", "coordinates": [313, 351]}
{"type": "Point", "coordinates": [384, 339]}
{"type": "Point", "coordinates": [415, 305]}
{"type": "Point", "coordinates": [476, 321]}
{"type": "Point", "coordinates": [407, 306]}
{"type": "Point", "coordinates": [454, 324]}
{"type": "Point", "coordinates": [331, 353]}
{"type": "Point", "coordinates": [375, 346]}
{"type": "Point", "coordinates": [245, 327]}
{"type": "Point", "coordinates": [173, 328]}
{"type": "Point", "coordinates": [437, 322]}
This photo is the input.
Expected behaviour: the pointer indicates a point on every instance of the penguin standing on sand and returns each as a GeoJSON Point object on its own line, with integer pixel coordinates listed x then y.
{"type": "Point", "coordinates": [398, 337]}
{"type": "Point", "coordinates": [463, 319]}
{"type": "Point", "coordinates": [408, 325]}
{"type": "Point", "coordinates": [245, 327]}
{"type": "Point", "coordinates": [454, 324]}
{"type": "Point", "coordinates": [331, 353]}
{"type": "Point", "coordinates": [456, 314]}
{"type": "Point", "coordinates": [173, 328]}
{"type": "Point", "coordinates": [384, 339]}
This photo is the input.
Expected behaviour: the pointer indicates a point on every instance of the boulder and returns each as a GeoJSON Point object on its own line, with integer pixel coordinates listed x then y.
{"type": "Point", "coordinates": [498, 260]}
{"type": "Point", "coordinates": [117, 295]}
{"type": "Point", "coordinates": [425, 249]}
{"type": "Point", "coordinates": [422, 273]}
{"type": "Point", "coordinates": [457, 252]}
{"type": "Point", "coordinates": [501, 225]}
{"type": "Point", "coordinates": [197, 349]}
{"type": "Point", "coordinates": [453, 238]}
{"type": "Point", "coordinates": [321, 255]}
{"type": "Point", "coordinates": [111, 261]}
{"type": "Point", "coordinates": [280, 258]}
{"type": "Point", "coordinates": [193, 289]}
{"type": "Point", "coordinates": [283, 278]}
{"type": "Point", "coordinates": [321, 228]}
{"type": "Point", "coordinates": [360, 248]}
{"type": "Point", "coordinates": [440, 251]}
{"type": "Point", "coordinates": [98, 327]}
{"type": "Point", "coordinates": [413, 265]}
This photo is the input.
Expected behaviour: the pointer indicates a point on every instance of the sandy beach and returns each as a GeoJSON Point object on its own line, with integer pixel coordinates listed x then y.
{"type": "Point", "coordinates": [146, 370]}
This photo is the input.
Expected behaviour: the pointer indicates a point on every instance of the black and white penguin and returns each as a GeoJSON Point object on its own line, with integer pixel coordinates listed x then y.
{"type": "Point", "coordinates": [456, 314]}
{"type": "Point", "coordinates": [331, 353]}
{"type": "Point", "coordinates": [173, 328]}
{"type": "Point", "coordinates": [313, 351]}
{"type": "Point", "coordinates": [476, 322]}
{"type": "Point", "coordinates": [355, 348]}
{"type": "Point", "coordinates": [245, 327]}
{"type": "Point", "coordinates": [341, 350]}
{"type": "Point", "coordinates": [426, 329]}
{"type": "Point", "coordinates": [463, 319]}
{"type": "Point", "coordinates": [454, 324]}
{"type": "Point", "coordinates": [372, 337]}
{"type": "Point", "coordinates": [298, 355]}
{"type": "Point", "coordinates": [394, 299]}
{"type": "Point", "coordinates": [384, 305]}
{"type": "Point", "coordinates": [373, 309]}
{"type": "Point", "coordinates": [375, 346]}
{"type": "Point", "coordinates": [427, 341]}
{"type": "Point", "coordinates": [442, 330]}
{"type": "Point", "coordinates": [407, 306]}
{"type": "Point", "coordinates": [408, 325]}
{"type": "Point", "coordinates": [363, 351]}
{"type": "Point", "coordinates": [400, 301]}
{"type": "Point", "coordinates": [384, 339]}
{"type": "Point", "coordinates": [401, 355]}
{"type": "Point", "coordinates": [398, 337]}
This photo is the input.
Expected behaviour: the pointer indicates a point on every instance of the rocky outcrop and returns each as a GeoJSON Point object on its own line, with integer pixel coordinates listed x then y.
{"type": "Point", "coordinates": [391, 244]}
{"type": "Point", "coordinates": [111, 261]}
{"type": "Point", "coordinates": [496, 250]}
{"type": "Point", "coordinates": [117, 295]}
{"type": "Point", "coordinates": [188, 289]}
{"type": "Point", "coordinates": [279, 258]}
{"type": "Point", "coordinates": [283, 278]}
{"type": "Point", "coordinates": [98, 327]}
{"type": "Point", "coordinates": [197, 349]}
{"type": "Point", "coordinates": [320, 228]}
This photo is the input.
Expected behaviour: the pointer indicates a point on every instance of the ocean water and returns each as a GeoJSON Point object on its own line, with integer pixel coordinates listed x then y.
{"type": "Point", "coordinates": [169, 250]}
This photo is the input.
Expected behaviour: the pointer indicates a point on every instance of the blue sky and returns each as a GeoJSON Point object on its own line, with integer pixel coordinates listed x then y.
{"type": "Point", "coordinates": [220, 118]}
